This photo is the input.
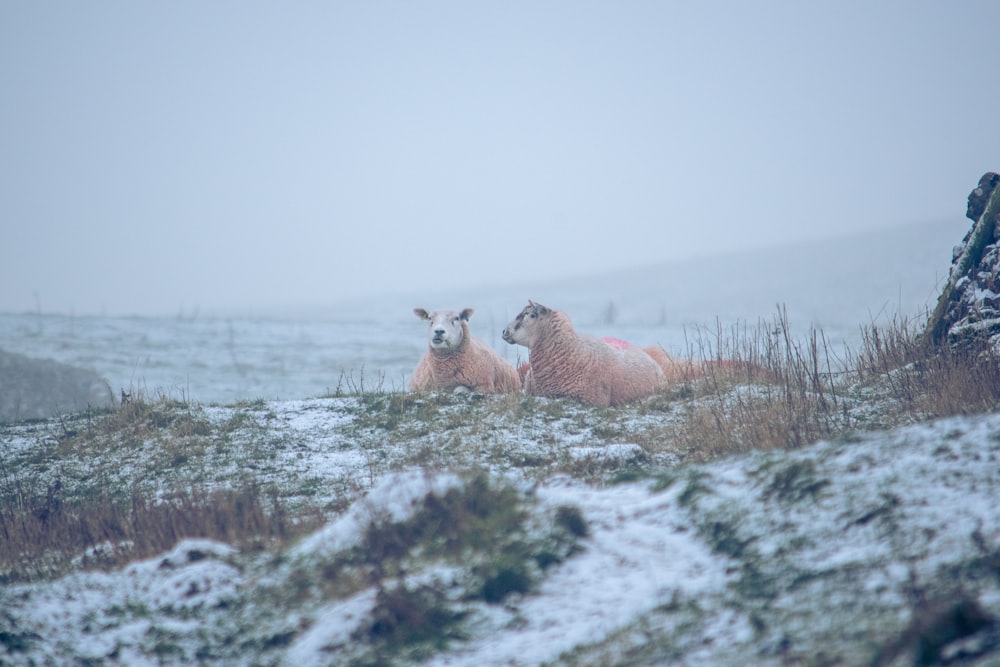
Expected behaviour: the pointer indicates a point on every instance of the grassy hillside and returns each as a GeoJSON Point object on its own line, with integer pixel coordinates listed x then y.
{"type": "Point", "coordinates": [379, 527]}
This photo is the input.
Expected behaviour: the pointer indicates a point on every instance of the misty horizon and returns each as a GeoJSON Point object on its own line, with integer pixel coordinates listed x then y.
{"type": "Point", "coordinates": [234, 156]}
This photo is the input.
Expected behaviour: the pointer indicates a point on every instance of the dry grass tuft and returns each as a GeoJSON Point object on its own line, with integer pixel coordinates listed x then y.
{"type": "Point", "coordinates": [44, 533]}
{"type": "Point", "coordinates": [928, 382]}
{"type": "Point", "coordinates": [49, 527]}
{"type": "Point", "coordinates": [781, 392]}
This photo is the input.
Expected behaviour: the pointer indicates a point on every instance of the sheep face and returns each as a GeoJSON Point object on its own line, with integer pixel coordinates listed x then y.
{"type": "Point", "coordinates": [446, 328]}
{"type": "Point", "coordinates": [524, 329]}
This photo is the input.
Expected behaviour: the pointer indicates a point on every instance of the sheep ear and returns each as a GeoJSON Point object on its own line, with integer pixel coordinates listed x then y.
{"type": "Point", "coordinates": [421, 313]}
{"type": "Point", "coordinates": [466, 314]}
{"type": "Point", "coordinates": [538, 308]}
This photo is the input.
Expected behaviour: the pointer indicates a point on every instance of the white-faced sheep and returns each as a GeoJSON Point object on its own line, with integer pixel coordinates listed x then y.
{"type": "Point", "coordinates": [598, 371]}
{"type": "Point", "coordinates": [457, 360]}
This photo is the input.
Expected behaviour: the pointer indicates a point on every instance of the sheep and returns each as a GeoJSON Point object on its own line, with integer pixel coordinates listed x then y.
{"type": "Point", "coordinates": [456, 360]}
{"type": "Point", "coordinates": [680, 370]}
{"type": "Point", "coordinates": [601, 372]}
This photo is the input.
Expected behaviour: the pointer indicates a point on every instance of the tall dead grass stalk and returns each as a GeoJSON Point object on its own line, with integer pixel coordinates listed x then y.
{"type": "Point", "coordinates": [765, 389]}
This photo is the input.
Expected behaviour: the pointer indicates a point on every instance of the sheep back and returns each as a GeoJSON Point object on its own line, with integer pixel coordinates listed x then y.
{"type": "Point", "coordinates": [598, 372]}
{"type": "Point", "coordinates": [675, 370]}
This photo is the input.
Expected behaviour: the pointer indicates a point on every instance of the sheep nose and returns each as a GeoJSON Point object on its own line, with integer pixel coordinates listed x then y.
{"type": "Point", "coordinates": [439, 332]}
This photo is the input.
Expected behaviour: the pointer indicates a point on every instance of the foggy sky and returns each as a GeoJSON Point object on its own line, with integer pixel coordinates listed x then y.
{"type": "Point", "coordinates": [227, 156]}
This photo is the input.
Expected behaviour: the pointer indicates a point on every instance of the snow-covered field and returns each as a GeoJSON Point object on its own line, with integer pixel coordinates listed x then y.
{"type": "Point", "coordinates": [874, 548]}
{"type": "Point", "coordinates": [859, 551]}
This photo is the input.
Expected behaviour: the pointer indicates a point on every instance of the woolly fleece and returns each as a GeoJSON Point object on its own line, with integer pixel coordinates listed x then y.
{"type": "Point", "coordinates": [565, 363]}
{"type": "Point", "coordinates": [469, 365]}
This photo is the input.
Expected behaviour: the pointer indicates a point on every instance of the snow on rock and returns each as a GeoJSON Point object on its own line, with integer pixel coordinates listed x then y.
{"type": "Point", "coordinates": [41, 388]}
{"type": "Point", "coordinates": [968, 311]}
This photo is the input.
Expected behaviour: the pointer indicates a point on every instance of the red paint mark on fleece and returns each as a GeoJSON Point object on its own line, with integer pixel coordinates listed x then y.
{"type": "Point", "coordinates": [618, 343]}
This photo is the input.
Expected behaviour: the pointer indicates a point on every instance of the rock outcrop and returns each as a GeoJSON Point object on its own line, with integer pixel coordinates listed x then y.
{"type": "Point", "coordinates": [41, 388]}
{"type": "Point", "coordinates": [967, 315]}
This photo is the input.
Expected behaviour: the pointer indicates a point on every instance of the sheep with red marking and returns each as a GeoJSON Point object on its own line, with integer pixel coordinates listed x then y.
{"type": "Point", "coordinates": [458, 361]}
{"type": "Point", "coordinates": [597, 371]}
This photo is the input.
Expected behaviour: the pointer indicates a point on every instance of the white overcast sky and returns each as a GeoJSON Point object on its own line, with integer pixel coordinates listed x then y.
{"type": "Point", "coordinates": [162, 156]}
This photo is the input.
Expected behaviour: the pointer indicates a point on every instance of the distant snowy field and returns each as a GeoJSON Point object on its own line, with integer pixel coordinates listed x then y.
{"type": "Point", "coordinates": [837, 286]}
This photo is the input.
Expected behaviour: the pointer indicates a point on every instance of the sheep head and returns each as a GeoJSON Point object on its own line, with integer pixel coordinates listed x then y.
{"type": "Point", "coordinates": [524, 329]}
{"type": "Point", "coordinates": [446, 328]}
